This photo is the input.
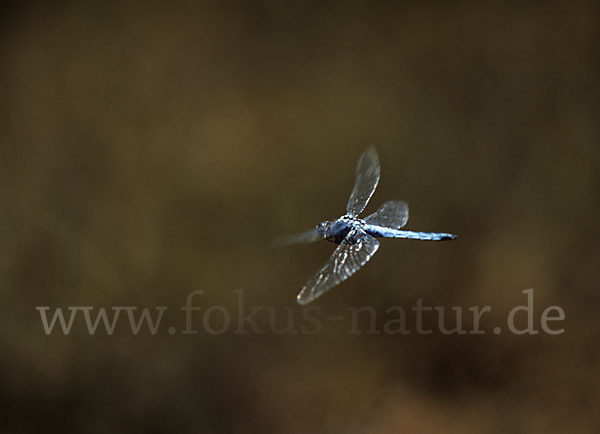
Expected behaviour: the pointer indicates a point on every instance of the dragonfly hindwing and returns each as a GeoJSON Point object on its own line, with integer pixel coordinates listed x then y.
{"type": "Point", "coordinates": [343, 263]}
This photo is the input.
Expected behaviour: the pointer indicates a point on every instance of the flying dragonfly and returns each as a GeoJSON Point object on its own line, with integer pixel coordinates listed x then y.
{"type": "Point", "coordinates": [356, 237]}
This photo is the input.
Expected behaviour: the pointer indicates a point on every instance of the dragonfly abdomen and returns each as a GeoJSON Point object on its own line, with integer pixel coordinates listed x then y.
{"type": "Point", "coordinates": [379, 231]}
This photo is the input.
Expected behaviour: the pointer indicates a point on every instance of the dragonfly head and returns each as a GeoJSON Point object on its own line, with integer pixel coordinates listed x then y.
{"type": "Point", "coordinates": [322, 229]}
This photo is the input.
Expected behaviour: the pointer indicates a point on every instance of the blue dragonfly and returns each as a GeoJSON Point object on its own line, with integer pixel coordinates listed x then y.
{"type": "Point", "coordinates": [356, 237]}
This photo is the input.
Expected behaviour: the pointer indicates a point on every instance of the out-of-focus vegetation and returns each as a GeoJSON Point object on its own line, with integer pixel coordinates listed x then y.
{"type": "Point", "coordinates": [152, 149]}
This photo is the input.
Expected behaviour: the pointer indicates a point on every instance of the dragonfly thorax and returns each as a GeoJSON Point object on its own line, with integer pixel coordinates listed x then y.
{"type": "Point", "coordinates": [336, 231]}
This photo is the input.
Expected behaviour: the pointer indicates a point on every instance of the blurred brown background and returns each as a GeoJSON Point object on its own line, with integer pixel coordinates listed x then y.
{"type": "Point", "coordinates": [151, 149]}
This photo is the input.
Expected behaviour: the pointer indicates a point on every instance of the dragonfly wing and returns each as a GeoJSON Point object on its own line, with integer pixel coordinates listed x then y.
{"type": "Point", "coordinates": [343, 263]}
{"type": "Point", "coordinates": [392, 214]}
{"type": "Point", "coordinates": [367, 178]}
{"type": "Point", "coordinates": [303, 237]}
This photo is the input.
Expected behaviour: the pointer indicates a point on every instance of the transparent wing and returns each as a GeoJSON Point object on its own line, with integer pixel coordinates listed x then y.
{"type": "Point", "coordinates": [343, 263]}
{"type": "Point", "coordinates": [367, 178]}
{"type": "Point", "coordinates": [303, 237]}
{"type": "Point", "coordinates": [392, 214]}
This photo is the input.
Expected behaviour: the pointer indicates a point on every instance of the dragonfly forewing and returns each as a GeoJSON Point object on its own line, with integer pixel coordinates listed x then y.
{"type": "Point", "coordinates": [303, 237]}
{"type": "Point", "coordinates": [367, 177]}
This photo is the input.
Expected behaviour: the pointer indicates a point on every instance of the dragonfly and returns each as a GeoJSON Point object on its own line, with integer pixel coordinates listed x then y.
{"type": "Point", "coordinates": [356, 237]}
